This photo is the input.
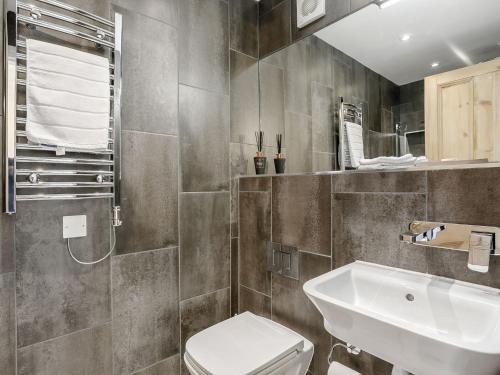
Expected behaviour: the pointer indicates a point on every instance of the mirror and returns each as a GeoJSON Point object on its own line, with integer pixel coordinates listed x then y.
{"type": "Point", "coordinates": [419, 77]}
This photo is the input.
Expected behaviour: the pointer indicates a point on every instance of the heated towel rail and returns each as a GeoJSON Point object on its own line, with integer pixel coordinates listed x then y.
{"type": "Point", "coordinates": [39, 172]}
{"type": "Point", "coordinates": [347, 112]}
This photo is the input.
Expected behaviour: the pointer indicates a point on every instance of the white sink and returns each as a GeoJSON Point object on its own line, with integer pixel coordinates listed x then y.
{"type": "Point", "coordinates": [424, 324]}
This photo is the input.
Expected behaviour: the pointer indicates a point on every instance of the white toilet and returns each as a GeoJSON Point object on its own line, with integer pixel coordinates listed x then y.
{"type": "Point", "coordinates": [248, 344]}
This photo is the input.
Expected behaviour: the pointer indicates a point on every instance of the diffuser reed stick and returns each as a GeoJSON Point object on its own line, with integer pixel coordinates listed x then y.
{"type": "Point", "coordinates": [259, 138]}
{"type": "Point", "coordinates": [279, 161]}
{"type": "Point", "coordinates": [279, 143]}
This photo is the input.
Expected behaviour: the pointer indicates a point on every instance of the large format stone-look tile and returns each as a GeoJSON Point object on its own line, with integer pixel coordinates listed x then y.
{"type": "Point", "coordinates": [272, 104]}
{"type": "Point", "coordinates": [54, 294]}
{"type": "Point", "coordinates": [6, 243]}
{"type": "Point", "coordinates": [7, 324]}
{"type": "Point", "coordinates": [80, 353]}
{"type": "Point", "coordinates": [255, 183]}
{"type": "Point", "coordinates": [465, 196]}
{"type": "Point", "coordinates": [149, 94]}
{"type": "Point", "coordinates": [321, 60]}
{"type": "Point", "coordinates": [292, 308]}
{"type": "Point", "coordinates": [205, 243]}
{"type": "Point", "coordinates": [255, 302]}
{"type": "Point", "coordinates": [244, 19]}
{"type": "Point", "coordinates": [297, 77]}
{"type": "Point", "coordinates": [145, 308]}
{"type": "Point", "coordinates": [149, 192]}
{"type": "Point", "coordinates": [204, 37]}
{"type": "Point", "coordinates": [373, 182]}
{"type": "Point", "coordinates": [255, 233]}
{"type": "Point", "coordinates": [235, 278]}
{"type": "Point", "coordinates": [244, 97]}
{"type": "Point", "coordinates": [323, 115]}
{"type": "Point", "coordinates": [298, 139]}
{"type": "Point", "coordinates": [301, 212]}
{"type": "Point", "coordinates": [367, 226]}
{"type": "Point", "coordinates": [162, 10]}
{"type": "Point", "coordinates": [204, 139]}
{"type": "Point", "coordinates": [170, 366]}
{"type": "Point", "coordinates": [202, 312]}
{"type": "Point", "coordinates": [274, 29]}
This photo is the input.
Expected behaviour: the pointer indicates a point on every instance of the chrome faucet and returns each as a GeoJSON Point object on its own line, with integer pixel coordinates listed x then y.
{"type": "Point", "coordinates": [422, 232]}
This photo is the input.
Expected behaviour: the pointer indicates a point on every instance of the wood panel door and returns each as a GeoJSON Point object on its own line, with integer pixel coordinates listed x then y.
{"type": "Point", "coordinates": [462, 113]}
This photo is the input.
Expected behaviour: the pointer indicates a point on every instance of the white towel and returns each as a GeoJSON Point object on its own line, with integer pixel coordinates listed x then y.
{"type": "Point", "coordinates": [67, 97]}
{"type": "Point", "coordinates": [391, 160]}
{"type": "Point", "coordinates": [353, 144]}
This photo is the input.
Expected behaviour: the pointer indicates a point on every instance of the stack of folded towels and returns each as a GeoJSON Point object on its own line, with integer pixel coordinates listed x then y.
{"type": "Point", "coordinates": [391, 162]}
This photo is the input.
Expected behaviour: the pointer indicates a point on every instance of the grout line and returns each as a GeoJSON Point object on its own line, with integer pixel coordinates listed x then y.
{"type": "Point", "coordinates": [149, 133]}
{"type": "Point", "coordinates": [154, 364]}
{"type": "Point", "coordinates": [204, 89]}
{"type": "Point", "coordinates": [255, 291]}
{"type": "Point", "coordinates": [204, 192]}
{"type": "Point", "coordinates": [244, 54]}
{"type": "Point", "coordinates": [311, 253]}
{"type": "Point", "coordinates": [173, 247]}
{"type": "Point", "coordinates": [205, 294]}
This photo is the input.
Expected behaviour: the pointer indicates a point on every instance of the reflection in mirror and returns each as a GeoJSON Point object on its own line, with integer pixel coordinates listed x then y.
{"type": "Point", "coordinates": [420, 77]}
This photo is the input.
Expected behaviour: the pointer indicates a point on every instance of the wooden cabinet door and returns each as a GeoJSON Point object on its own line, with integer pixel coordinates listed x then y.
{"type": "Point", "coordinates": [462, 113]}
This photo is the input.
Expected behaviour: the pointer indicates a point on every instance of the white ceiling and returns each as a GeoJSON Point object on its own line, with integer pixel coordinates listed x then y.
{"type": "Point", "coordinates": [456, 33]}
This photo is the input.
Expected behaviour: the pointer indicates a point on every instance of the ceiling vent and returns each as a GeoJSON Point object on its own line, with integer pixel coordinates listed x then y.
{"type": "Point", "coordinates": [309, 11]}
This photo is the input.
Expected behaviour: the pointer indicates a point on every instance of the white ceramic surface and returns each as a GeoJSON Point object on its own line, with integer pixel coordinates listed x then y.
{"type": "Point", "coordinates": [449, 328]}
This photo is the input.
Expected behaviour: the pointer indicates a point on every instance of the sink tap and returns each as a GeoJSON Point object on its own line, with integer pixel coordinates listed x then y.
{"type": "Point", "coordinates": [422, 232]}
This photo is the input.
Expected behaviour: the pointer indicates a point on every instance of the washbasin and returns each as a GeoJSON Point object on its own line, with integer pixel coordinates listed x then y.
{"type": "Point", "coordinates": [424, 324]}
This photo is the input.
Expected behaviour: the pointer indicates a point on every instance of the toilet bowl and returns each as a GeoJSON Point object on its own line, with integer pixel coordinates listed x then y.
{"type": "Point", "coordinates": [248, 344]}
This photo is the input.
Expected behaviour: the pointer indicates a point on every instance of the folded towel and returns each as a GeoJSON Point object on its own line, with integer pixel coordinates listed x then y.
{"type": "Point", "coordinates": [408, 158]}
{"type": "Point", "coordinates": [353, 144]}
{"type": "Point", "coordinates": [67, 97]}
{"type": "Point", "coordinates": [383, 164]}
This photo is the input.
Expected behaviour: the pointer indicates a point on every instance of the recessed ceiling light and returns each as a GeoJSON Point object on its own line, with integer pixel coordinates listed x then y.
{"type": "Point", "coordinates": [435, 64]}
{"type": "Point", "coordinates": [405, 37]}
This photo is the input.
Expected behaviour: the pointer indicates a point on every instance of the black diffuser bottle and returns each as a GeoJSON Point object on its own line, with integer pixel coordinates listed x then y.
{"type": "Point", "coordinates": [279, 161]}
{"type": "Point", "coordinates": [260, 160]}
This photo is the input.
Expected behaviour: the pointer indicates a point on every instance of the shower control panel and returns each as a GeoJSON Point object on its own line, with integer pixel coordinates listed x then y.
{"type": "Point", "coordinates": [74, 226]}
{"type": "Point", "coordinates": [283, 260]}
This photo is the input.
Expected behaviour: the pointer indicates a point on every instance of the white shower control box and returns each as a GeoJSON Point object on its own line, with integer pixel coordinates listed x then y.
{"type": "Point", "coordinates": [74, 226]}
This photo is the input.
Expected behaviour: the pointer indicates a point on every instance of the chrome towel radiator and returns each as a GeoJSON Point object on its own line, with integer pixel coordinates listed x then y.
{"type": "Point", "coordinates": [347, 112]}
{"type": "Point", "coordinates": [39, 172]}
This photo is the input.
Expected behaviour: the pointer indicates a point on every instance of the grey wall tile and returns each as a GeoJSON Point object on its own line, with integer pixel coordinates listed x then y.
{"type": "Point", "coordinates": [343, 79]}
{"type": "Point", "coordinates": [244, 97]}
{"type": "Point", "coordinates": [234, 207]}
{"type": "Point", "coordinates": [255, 302]}
{"type": "Point", "coordinates": [323, 161]}
{"type": "Point", "coordinates": [6, 243]}
{"type": "Point", "coordinates": [255, 233]}
{"type": "Point", "coordinates": [145, 308]}
{"type": "Point", "coordinates": [7, 324]}
{"type": "Point", "coordinates": [54, 294]}
{"type": "Point", "coordinates": [162, 10]}
{"type": "Point", "coordinates": [321, 60]}
{"type": "Point", "coordinates": [298, 77]}
{"type": "Point", "coordinates": [465, 196]}
{"type": "Point", "coordinates": [204, 37]}
{"type": "Point", "coordinates": [367, 226]}
{"type": "Point", "coordinates": [244, 18]}
{"type": "Point", "coordinates": [171, 365]}
{"type": "Point", "coordinates": [272, 101]}
{"type": "Point", "coordinates": [205, 243]}
{"type": "Point", "coordinates": [242, 155]}
{"type": "Point", "coordinates": [204, 140]}
{"type": "Point", "coordinates": [323, 115]}
{"type": "Point", "coordinates": [202, 312]}
{"type": "Point", "coordinates": [149, 94]}
{"type": "Point", "coordinates": [298, 140]}
{"type": "Point", "coordinates": [275, 28]}
{"type": "Point", "coordinates": [255, 184]}
{"type": "Point", "coordinates": [402, 182]}
{"type": "Point", "coordinates": [301, 212]}
{"type": "Point", "coordinates": [149, 190]}
{"type": "Point", "coordinates": [266, 5]}
{"type": "Point", "coordinates": [358, 4]}
{"type": "Point", "coordinates": [292, 308]}
{"type": "Point", "coordinates": [80, 353]}
{"type": "Point", "coordinates": [235, 278]}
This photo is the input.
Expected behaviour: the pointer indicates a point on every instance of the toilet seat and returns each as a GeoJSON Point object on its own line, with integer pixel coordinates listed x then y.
{"type": "Point", "coordinates": [245, 344]}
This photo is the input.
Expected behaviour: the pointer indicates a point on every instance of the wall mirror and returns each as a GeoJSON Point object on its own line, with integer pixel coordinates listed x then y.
{"type": "Point", "coordinates": [418, 77]}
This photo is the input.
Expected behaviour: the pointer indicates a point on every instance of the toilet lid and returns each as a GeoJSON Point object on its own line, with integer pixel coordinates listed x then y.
{"type": "Point", "coordinates": [243, 344]}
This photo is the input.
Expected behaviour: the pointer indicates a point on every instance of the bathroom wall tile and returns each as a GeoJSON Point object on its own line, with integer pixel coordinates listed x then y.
{"type": "Point", "coordinates": [204, 37]}
{"type": "Point", "coordinates": [272, 96]}
{"type": "Point", "coordinates": [367, 226]}
{"type": "Point", "coordinates": [371, 182]}
{"type": "Point", "coordinates": [244, 97]}
{"type": "Point", "coordinates": [234, 207]}
{"type": "Point", "coordinates": [149, 190]}
{"type": "Point", "coordinates": [149, 94]}
{"type": "Point", "coordinates": [266, 5]}
{"type": "Point", "coordinates": [80, 353]}
{"type": "Point", "coordinates": [54, 294]}
{"type": "Point", "coordinates": [464, 196]}
{"type": "Point", "coordinates": [205, 243]}
{"type": "Point", "coordinates": [298, 140]}
{"type": "Point", "coordinates": [235, 279]}
{"type": "Point", "coordinates": [297, 78]}
{"type": "Point", "coordinates": [204, 140]}
{"type": "Point", "coordinates": [242, 163]}
{"type": "Point", "coordinates": [7, 324]}
{"type": "Point", "coordinates": [255, 302]}
{"type": "Point", "coordinates": [321, 60]}
{"type": "Point", "coordinates": [6, 243]}
{"type": "Point", "coordinates": [255, 233]}
{"type": "Point", "coordinates": [162, 10]}
{"type": "Point", "coordinates": [358, 4]}
{"type": "Point", "coordinates": [301, 212]}
{"type": "Point", "coordinates": [360, 84]}
{"type": "Point", "coordinates": [244, 18]}
{"type": "Point", "coordinates": [171, 365]}
{"type": "Point", "coordinates": [323, 161]}
{"type": "Point", "coordinates": [145, 308]}
{"type": "Point", "coordinates": [323, 115]}
{"type": "Point", "coordinates": [292, 308]}
{"type": "Point", "coordinates": [343, 79]}
{"type": "Point", "coordinates": [275, 28]}
{"type": "Point", "coordinates": [202, 312]}
{"type": "Point", "coordinates": [255, 184]}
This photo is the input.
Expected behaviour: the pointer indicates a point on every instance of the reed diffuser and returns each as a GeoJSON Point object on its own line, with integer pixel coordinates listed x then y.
{"type": "Point", "coordinates": [260, 160]}
{"type": "Point", "coordinates": [279, 161]}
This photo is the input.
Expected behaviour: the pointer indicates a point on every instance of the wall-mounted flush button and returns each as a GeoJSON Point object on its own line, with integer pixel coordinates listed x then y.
{"type": "Point", "coordinates": [74, 226]}
{"type": "Point", "coordinates": [283, 260]}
